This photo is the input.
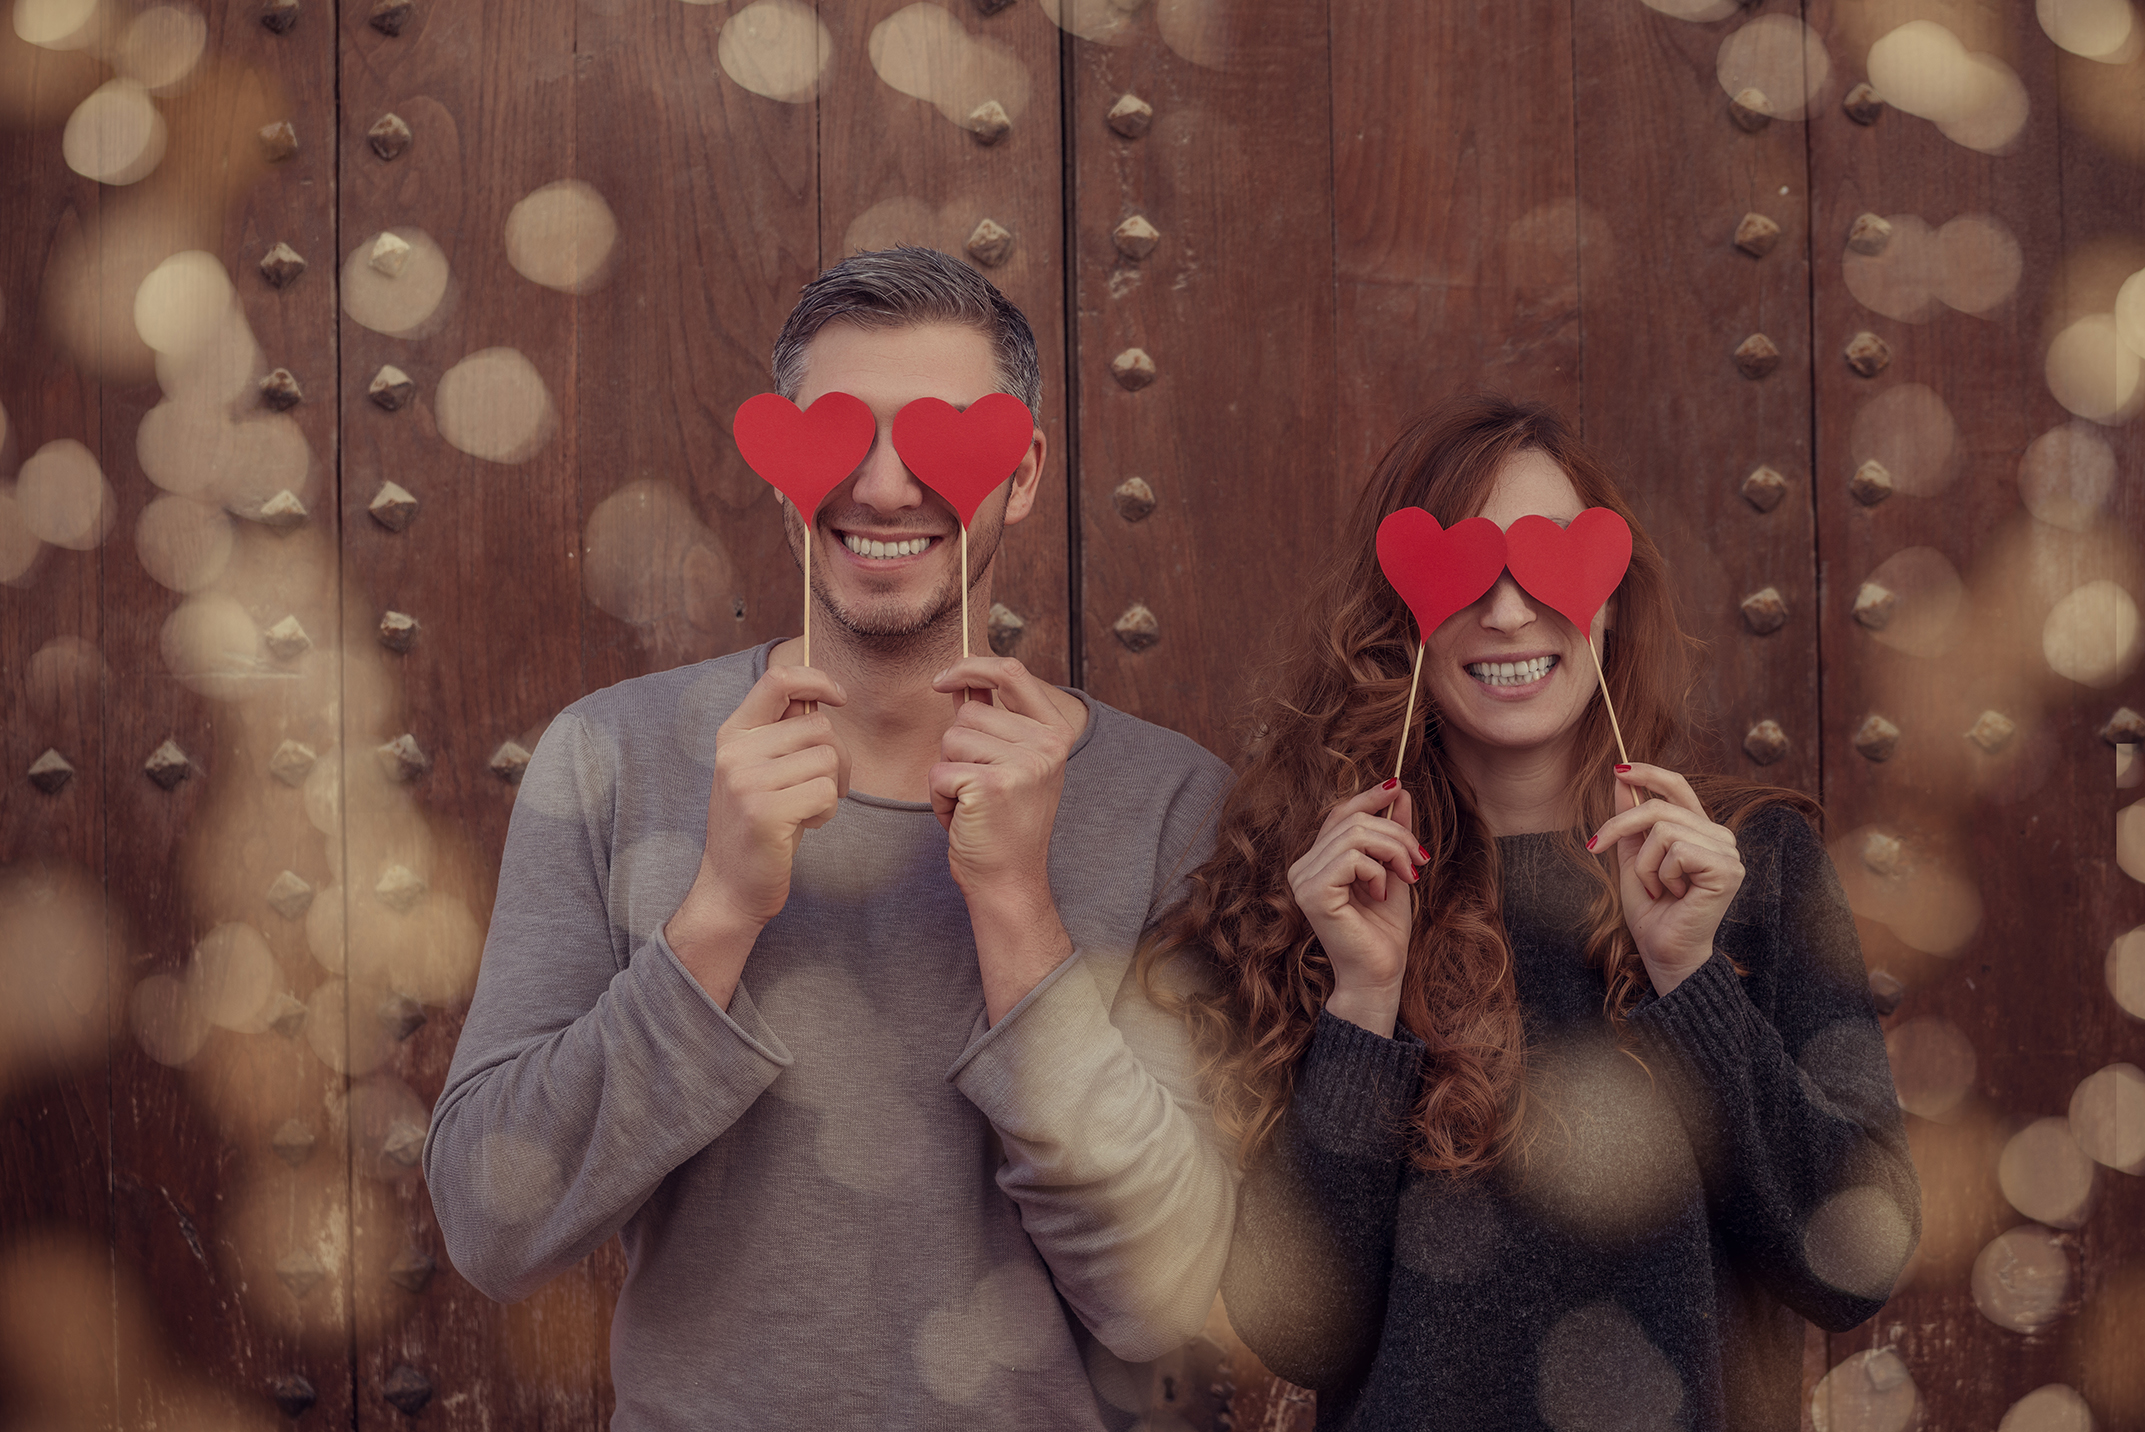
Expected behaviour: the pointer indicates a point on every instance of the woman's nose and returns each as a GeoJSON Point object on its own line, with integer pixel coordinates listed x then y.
{"type": "Point", "coordinates": [1507, 607]}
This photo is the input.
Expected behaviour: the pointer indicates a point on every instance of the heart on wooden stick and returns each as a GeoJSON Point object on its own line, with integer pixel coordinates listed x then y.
{"type": "Point", "coordinates": [1571, 569]}
{"type": "Point", "coordinates": [805, 455]}
{"type": "Point", "coordinates": [964, 454]}
{"type": "Point", "coordinates": [1438, 570]}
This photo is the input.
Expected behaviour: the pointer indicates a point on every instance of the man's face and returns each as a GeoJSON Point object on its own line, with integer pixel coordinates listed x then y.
{"type": "Point", "coordinates": [886, 558]}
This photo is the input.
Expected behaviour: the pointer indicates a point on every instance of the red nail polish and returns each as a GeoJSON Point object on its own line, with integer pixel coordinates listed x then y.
{"type": "Point", "coordinates": [1621, 769]}
{"type": "Point", "coordinates": [1390, 784]}
{"type": "Point", "coordinates": [1590, 841]}
{"type": "Point", "coordinates": [1423, 852]}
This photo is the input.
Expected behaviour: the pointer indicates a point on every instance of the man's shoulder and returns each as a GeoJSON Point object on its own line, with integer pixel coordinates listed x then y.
{"type": "Point", "coordinates": [706, 687]}
{"type": "Point", "coordinates": [1121, 737]}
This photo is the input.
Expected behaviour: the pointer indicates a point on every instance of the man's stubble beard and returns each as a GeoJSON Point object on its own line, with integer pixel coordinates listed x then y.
{"type": "Point", "coordinates": [896, 634]}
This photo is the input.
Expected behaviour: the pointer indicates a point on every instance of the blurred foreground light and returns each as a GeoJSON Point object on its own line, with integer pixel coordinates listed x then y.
{"type": "Point", "coordinates": [493, 405]}
{"type": "Point", "coordinates": [62, 497]}
{"type": "Point", "coordinates": [2108, 1117]}
{"type": "Point", "coordinates": [56, 24]}
{"type": "Point", "coordinates": [2091, 636]}
{"type": "Point", "coordinates": [183, 302]}
{"type": "Point", "coordinates": [53, 965]}
{"type": "Point", "coordinates": [2104, 30]}
{"type": "Point", "coordinates": [1700, 12]}
{"type": "Point", "coordinates": [2091, 371]}
{"type": "Point", "coordinates": [166, 1024]}
{"type": "Point", "coordinates": [2054, 1408]}
{"type": "Point", "coordinates": [775, 48]}
{"type": "Point", "coordinates": [397, 304]}
{"type": "Point", "coordinates": [1974, 99]}
{"type": "Point", "coordinates": [212, 646]}
{"type": "Point", "coordinates": [2066, 476]}
{"type": "Point", "coordinates": [562, 236]}
{"type": "Point", "coordinates": [116, 136]}
{"type": "Point", "coordinates": [163, 46]}
{"type": "Point", "coordinates": [2021, 1279]}
{"type": "Point", "coordinates": [1980, 263]}
{"type": "Point", "coordinates": [2045, 1175]}
{"type": "Point", "coordinates": [1869, 1392]}
{"type": "Point", "coordinates": [1932, 1065]}
{"type": "Point", "coordinates": [1778, 56]}
{"type": "Point", "coordinates": [2126, 971]}
{"type": "Point", "coordinates": [233, 978]}
{"type": "Point", "coordinates": [924, 52]}
{"type": "Point", "coordinates": [185, 545]}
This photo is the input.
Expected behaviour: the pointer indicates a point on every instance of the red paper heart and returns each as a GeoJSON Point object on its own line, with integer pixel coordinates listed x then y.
{"type": "Point", "coordinates": [804, 454]}
{"type": "Point", "coordinates": [962, 455]}
{"type": "Point", "coordinates": [1436, 570]}
{"type": "Point", "coordinates": [1572, 569]}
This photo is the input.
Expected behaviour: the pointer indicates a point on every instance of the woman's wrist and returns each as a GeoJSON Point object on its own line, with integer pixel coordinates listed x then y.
{"type": "Point", "coordinates": [1375, 1008]}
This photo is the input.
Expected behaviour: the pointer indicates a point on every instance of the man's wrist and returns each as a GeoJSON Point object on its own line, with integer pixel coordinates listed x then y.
{"type": "Point", "coordinates": [711, 940]}
{"type": "Point", "coordinates": [1019, 941]}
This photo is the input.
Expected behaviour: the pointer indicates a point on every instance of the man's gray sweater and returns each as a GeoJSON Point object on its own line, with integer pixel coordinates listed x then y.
{"type": "Point", "coordinates": [847, 1200]}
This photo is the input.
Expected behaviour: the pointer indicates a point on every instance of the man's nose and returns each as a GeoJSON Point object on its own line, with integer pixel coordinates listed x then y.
{"type": "Point", "coordinates": [882, 482]}
{"type": "Point", "coordinates": [1507, 608]}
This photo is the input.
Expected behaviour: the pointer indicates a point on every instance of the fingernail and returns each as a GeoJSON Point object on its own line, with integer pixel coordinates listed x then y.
{"type": "Point", "coordinates": [1422, 852]}
{"type": "Point", "coordinates": [1590, 841]}
{"type": "Point", "coordinates": [1391, 783]}
{"type": "Point", "coordinates": [1621, 769]}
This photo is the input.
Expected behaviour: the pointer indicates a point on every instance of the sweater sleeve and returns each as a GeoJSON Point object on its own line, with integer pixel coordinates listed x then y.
{"type": "Point", "coordinates": [1307, 1275]}
{"type": "Point", "coordinates": [1110, 1151]}
{"type": "Point", "coordinates": [590, 1065]}
{"type": "Point", "coordinates": [1790, 1106]}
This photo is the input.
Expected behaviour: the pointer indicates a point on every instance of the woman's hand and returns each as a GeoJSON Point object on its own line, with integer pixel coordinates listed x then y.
{"type": "Point", "coordinates": [1678, 871]}
{"type": "Point", "coordinates": [1352, 885]}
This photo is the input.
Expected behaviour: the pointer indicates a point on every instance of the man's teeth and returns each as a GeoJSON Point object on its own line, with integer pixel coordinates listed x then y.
{"type": "Point", "coordinates": [865, 547]}
{"type": "Point", "coordinates": [1511, 673]}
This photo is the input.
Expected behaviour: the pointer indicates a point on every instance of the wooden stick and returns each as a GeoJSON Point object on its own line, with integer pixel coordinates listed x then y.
{"type": "Point", "coordinates": [1602, 677]}
{"type": "Point", "coordinates": [1408, 720]}
{"type": "Point", "coordinates": [807, 596]}
{"type": "Point", "coordinates": [964, 591]}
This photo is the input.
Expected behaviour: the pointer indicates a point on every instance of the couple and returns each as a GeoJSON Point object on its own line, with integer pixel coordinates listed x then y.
{"type": "Point", "coordinates": [938, 1058]}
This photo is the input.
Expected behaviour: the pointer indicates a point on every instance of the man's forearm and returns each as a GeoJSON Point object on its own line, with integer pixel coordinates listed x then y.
{"type": "Point", "coordinates": [1019, 941]}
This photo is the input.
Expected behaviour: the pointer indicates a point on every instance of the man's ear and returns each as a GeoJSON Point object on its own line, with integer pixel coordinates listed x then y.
{"type": "Point", "coordinates": [1027, 480]}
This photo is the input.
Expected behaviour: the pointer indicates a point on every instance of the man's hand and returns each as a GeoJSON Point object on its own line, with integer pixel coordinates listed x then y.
{"type": "Point", "coordinates": [995, 790]}
{"type": "Point", "coordinates": [779, 771]}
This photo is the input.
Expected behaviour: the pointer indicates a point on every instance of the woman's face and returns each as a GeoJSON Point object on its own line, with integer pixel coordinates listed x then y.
{"type": "Point", "coordinates": [1508, 674]}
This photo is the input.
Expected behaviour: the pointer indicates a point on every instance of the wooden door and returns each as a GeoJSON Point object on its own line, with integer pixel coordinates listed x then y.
{"type": "Point", "coordinates": [520, 263]}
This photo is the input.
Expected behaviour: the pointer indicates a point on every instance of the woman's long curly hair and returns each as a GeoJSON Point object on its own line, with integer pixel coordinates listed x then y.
{"type": "Point", "coordinates": [1328, 729]}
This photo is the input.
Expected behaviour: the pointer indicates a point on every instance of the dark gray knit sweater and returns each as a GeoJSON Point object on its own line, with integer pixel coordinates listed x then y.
{"type": "Point", "coordinates": [1682, 1204]}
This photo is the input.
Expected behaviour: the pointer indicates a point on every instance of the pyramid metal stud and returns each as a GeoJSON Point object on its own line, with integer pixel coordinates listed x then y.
{"type": "Point", "coordinates": [2125, 728]}
{"type": "Point", "coordinates": [286, 1015]}
{"type": "Point", "coordinates": [509, 762]}
{"type": "Point", "coordinates": [1765, 611]}
{"type": "Point", "coordinates": [282, 514]}
{"type": "Point", "coordinates": [281, 265]}
{"type": "Point", "coordinates": [279, 141]}
{"type": "Point", "coordinates": [292, 763]}
{"type": "Point", "coordinates": [403, 759]}
{"type": "Point", "coordinates": [1871, 484]}
{"type": "Point", "coordinates": [1992, 731]}
{"type": "Point", "coordinates": [1863, 104]}
{"type": "Point", "coordinates": [1137, 628]}
{"type": "Point", "coordinates": [412, 1269]}
{"type": "Point", "coordinates": [1867, 354]}
{"type": "Point", "coordinates": [405, 1143]}
{"type": "Point", "coordinates": [398, 631]}
{"type": "Point", "coordinates": [1133, 369]}
{"type": "Point", "coordinates": [390, 388]}
{"type": "Point", "coordinates": [1757, 356]}
{"type": "Point", "coordinates": [1005, 629]}
{"type": "Point", "coordinates": [50, 772]}
{"type": "Point", "coordinates": [991, 243]}
{"type": "Point", "coordinates": [293, 1395]}
{"type": "Point", "coordinates": [1133, 499]}
{"type": "Point", "coordinates": [289, 895]}
{"type": "Point", "coordinates": [1874, 605]}
{"type": "Point", "coordinates": [1765, 742]}
{"type": "Point", "coordinates": [1135, 237]}
{"type": "Point", "coordinates": [1876, 738]}
{"type": "Point", "coordinates": [408, 1389]}
{"type": "Point", "coordinates": [389, 136]}
{"type": "Point", "coordinates": [280, 390]}
{"type": "Point", "coordinates": [989, 122]}
{"type": "Point", "coordinates": [300, 1272]}
{"type": "Point", "coordinates": [1882, 853]}
{"type": "Point", "coordinates": [400, 888]}
{"type": "Point", "coordinates": [390, 255]}
{"type": "Point", "coordinates": [1756, 235]}
{"type": "Point", "coordinates": [1131, 116]}
{"type": "Point", "coordinates": [392, 506]}
{"type": "Point", "coordinates": [1869, 234]}
{"type": "Point", "coordinates": [287, 640]}
{"type": "Point", "coordinates": [389, 16]}
{"type": "Point", "coordinates": [401, 1016]}
{"type": "Point", "coordinates": [294, 1141]}
{"type": "Point", "coordinates": [279, 15]}
{"type": "Point", "coordinates": [167, 765]}
{"type": "Point", "coordinates": [1764, 489]}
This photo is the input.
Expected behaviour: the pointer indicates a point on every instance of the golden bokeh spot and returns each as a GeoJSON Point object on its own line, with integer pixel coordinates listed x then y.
{"type": "Point", "coordinates": [185, 545]}
{"type": "Point", "coordinates": [1974, 98]}
{"type": "Point", "coordinates": [2053, 1408]}
{"type": "Point", "coordinates": [493, 405]}
{"type": "Point", "coordinates": [183, 302]}
{"type": "Point", "coordinates": [2104, 30]}
{"type": "Point", "coordinates": [2126, 969]}
{"type": "Point", "coordinates": [562, 236]}
{"type": "Point", "coordinates": [1910, 430]}
{"type": "Point", "coordinates": [2108, 1117]}
{"type": "Point", "coordinates": [58, 24]}
{"type": "Point", "coordinates": [62, 497]}
{"type": "Point", "coordinates": [162, 47]}
{"type": "Point", "coordinates": [1981, 263]}
{"type": "Point", "coordinates": [775, 48]}
{"type": "Point", "coordinates": [924, 52]}
{"type": "Point", "coordinates": [1933, 1065]}
{"type": "Point", "coordinates": [2021, 1278]}
{"type": "Point", "coordinates": [115, 136]}
{"type": "Point", "coordinates": [2091, 635]}
{"type": "Point", "coordinates": [55, 967]}
{"type": "Point", "coordinates": [2045, 1175]}
{"type": "Point", "coordinates": [2091, 371]}
{"type": "Point", "coordinates": [2066, 476]}
{"type": "Point", "coordinates": [1778, 56]}
{"type": "Point", "coordinates": [19, 546]}
{"type": "Point", "coordinates": [1858, 1240]}
{"type": "Point", "coordinates": [1901, 280]}
{"type": "Point", "coordinates": [1870, 1391]}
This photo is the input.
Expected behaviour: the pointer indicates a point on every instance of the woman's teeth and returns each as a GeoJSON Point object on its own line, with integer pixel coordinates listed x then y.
{"type": "Point", "coordinates": [1511, 673]}
{"type": "Point", "coordinates": [865, 547]}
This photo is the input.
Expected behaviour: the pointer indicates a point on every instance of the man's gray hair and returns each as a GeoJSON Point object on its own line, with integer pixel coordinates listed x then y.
{"type": "Point", "coordinates": [903, 287]}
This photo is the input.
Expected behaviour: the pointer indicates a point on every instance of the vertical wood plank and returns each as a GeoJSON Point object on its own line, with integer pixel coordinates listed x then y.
{"type": "Point", "coordinates": [1667, 298]}
{"type": "Point", "coordinates": [488, 445]}
{"type": "Point", "coordinates": [1465, 275]}
{"type": "Point", "coordinates": [715, 188]}
{"type": "Point", "coordinates": [898, 168]}
{"type": "Point", "coordinates": [2017, 835]}
{"type": "Point", "coordinates": [1234, 306]}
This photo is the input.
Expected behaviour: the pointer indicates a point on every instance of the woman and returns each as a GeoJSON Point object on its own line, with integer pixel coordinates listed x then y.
{"type": "Point", "coordinates": [1560, 1096]}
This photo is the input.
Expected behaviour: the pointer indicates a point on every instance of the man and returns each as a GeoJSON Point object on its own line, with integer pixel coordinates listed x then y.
{"type": "Point", "coordinates": [829, 1012]}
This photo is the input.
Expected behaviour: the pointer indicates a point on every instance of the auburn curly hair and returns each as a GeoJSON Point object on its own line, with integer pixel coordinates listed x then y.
{"type": "Point", "coordinates": [1327, 729]}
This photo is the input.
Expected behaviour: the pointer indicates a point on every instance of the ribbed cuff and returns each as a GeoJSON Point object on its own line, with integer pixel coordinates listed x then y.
{"type": "Point", "coordinates": [1707, 1022]}
{"type": "Point", "coordinates": [1357, 1088]}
